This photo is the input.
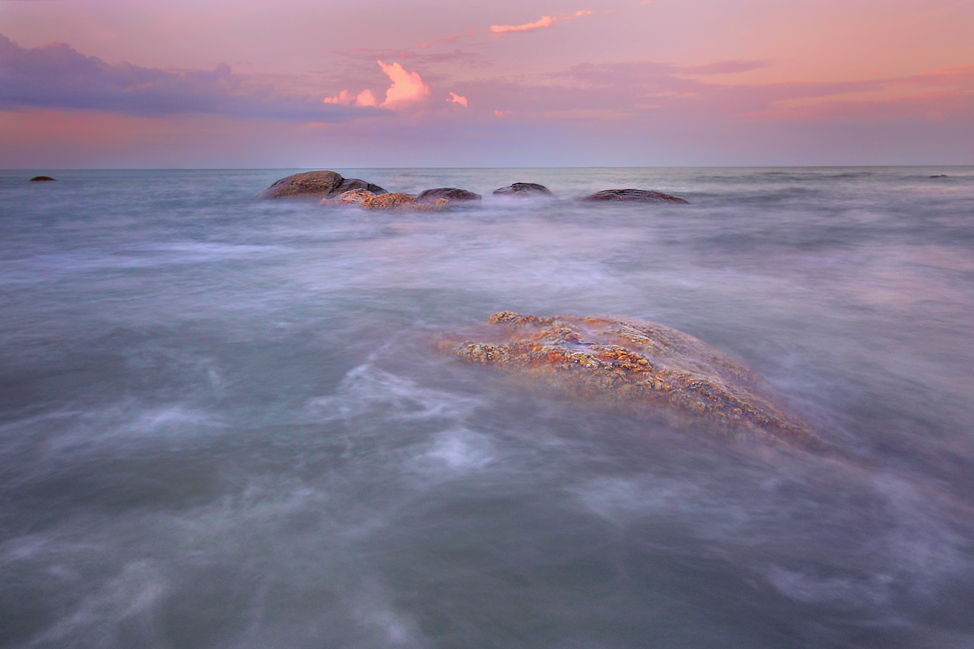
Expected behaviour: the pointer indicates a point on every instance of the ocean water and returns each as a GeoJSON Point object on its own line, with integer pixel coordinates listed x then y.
{"type": "Point", "coordinates": [222, 424]}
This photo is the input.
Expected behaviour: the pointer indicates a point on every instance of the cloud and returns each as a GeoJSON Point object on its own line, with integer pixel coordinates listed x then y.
{"type": "Point", "coordinates": [457, 99]}
{"type": "Point", "coordinates": [542, 23]}
{"type": "Point", "coordinates": [57, 76]}
{"type": "Point", "coordinates": [344, 98]}
{"type": "Point", "coordinates": [366, 98]}
{"type": "Point", "coordinates": [502, 113]}
{"type": "Point", "coordinates": [407, 87]}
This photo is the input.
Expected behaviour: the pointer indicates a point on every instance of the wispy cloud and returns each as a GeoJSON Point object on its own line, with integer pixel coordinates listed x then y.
{"type": "Point", "coordinates": [457, 99]}
{"type": "Point", "coordinates": [449, 38]}
{"type": "Point", "coordinates": [57, 76]}
{"type": "Point", "coordinates": [542, 23]}
{"type": "Point", "coordinates": [726, 67]}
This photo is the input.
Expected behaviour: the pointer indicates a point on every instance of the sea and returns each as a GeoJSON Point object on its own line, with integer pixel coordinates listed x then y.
{"type": "Point", "coordinates": [223, 423]}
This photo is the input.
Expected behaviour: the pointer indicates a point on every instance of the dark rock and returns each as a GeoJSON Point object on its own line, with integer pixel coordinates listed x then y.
{"type": "Point", "coordinates": [940, 176]}
{"type": "Point", "coordinates": [349, 184]}
{"type": "Point", "coordinates": [634, 367]}
{"type": "Point", "coordinates": [634, 196]}
{"type": "Point", "coordinates": [38, 179]}
{"type": "Point", "coordinates": [523, 189]}
{"type": "Point", "coordinates": [316, 184]}
{"type": "Point", "coordinates": [449, 193]}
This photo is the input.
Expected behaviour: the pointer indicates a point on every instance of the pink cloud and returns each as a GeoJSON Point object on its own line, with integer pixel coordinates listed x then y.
{"type": "Point", "coordinates": [457, 99]}
{"type": "Point", "coordinates": [542, 23]}
{"type": "Point", "coordinates": [502, 113]}
{"type": "Point", "coordinates": [366, 98]}
{"type": "Point", "coordinates": [342, 98]}
{"type": "Point", "coordinates": [407, 87]}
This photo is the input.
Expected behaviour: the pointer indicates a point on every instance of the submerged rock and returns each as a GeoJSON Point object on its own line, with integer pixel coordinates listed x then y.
{"type": "Point", "coordinates": [40, 179]}
{"type": "Point", "coordinates": [439, 205]}
{"type": "Point", "coordinates": [449, 193]}
{"type": "Point", "coordinates": [316, 183]}
{"type": "Point", "coordinates": [634, 196]}
{"type": "Point", "coordinates": [632, 366]}
{"type": "Point", "coordinates": [523, 189]}
{"type": "Point", "coordinates": [940, 176]}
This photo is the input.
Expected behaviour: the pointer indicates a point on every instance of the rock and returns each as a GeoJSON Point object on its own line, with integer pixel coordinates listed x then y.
{"type": "Point", "coordinates": [387, 201]}
{"type": "Point", "coordinates": [523, 189]}
{"type": "Point", "coordinates": [634, 196]}
{"type": "Point", "coordinates": [449, 193]}
{"type": "Point", "coordinates": [316, 183]}
{"type": "Point", "coordinates": [439, 205]}
{"type": "Point", "coordinates": [635, 367]}
{"type": "Point", "coordinates": [350, 197]}
{"type": "Point", "coordinates": [351, 184]}
{"type": "Point", "coordinates": [940, 176]}
{"type": "Point", "coordinates": [39, 179]}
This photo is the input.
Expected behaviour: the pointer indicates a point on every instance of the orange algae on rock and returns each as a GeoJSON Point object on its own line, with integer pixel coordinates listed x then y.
{"type": "Point", "coordinates": [350, 197]}
{"type": "Point", "coordinates": [636, 367]}
{"type": "Point", "coordinates": [387, 201]}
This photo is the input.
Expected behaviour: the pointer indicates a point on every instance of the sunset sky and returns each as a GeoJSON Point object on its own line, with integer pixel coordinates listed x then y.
{"type": "Point", "coordinates": [378, 83]}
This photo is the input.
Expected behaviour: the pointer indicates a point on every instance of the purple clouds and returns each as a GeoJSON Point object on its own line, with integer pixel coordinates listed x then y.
{"type": "Point", "coordinates": [57, 76]}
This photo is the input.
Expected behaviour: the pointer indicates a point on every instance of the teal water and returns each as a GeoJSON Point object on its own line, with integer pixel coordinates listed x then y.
{"type": "Point", "coordinates": [221, 424]}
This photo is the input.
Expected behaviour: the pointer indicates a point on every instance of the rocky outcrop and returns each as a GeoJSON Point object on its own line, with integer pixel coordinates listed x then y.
{"type": "Point", "coordinates": [523, 189]}
{"type": "Point", "coordinates": [313, 184]}
{"type": "Point", "coordinates": [41, 179]}
{"type": "Point", "coordinates": [451, 194]}
{"type": "Point", "coordinates": [634, 196]}
{"type": "Point", "coordinates": [635, 367]}
{"type": "Point", "coordinates": [940, 176]}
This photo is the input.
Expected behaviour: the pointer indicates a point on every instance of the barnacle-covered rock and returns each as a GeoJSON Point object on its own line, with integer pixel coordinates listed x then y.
{"type": "Point", "coordinates": [632, 366]}
{"type": "Point", "coordinates": [351, 197]}
{"type": "Point", "coordinates": [387, 201]}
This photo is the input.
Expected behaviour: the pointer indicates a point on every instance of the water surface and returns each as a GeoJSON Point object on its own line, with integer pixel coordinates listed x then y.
{"type": "Point", "coordinates": [221, 424]}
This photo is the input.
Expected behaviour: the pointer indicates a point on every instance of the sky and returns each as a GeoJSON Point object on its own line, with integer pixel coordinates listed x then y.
{"type": "Point", "coordinates": [509, 83]}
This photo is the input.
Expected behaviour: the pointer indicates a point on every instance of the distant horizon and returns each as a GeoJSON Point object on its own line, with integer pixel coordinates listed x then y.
{"type": "Point", "coordinates": [896, 166]}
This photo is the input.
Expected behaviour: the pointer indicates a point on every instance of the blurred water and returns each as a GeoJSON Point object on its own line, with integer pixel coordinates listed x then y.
{"type": "Point", "coordinates": [221, 424]}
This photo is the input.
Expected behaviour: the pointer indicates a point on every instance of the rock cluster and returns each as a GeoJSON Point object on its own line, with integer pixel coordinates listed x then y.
{"type": "Point", "coordinates": [39, 179]}
{"type": "Point", "coordinates": [632, 366]}
{"type": "Point", "coordinates": [330, 185]}
{"type": "Point", "coordinates": [634, 196]}
{"type": "Point", "coordinates": [315, 184]}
